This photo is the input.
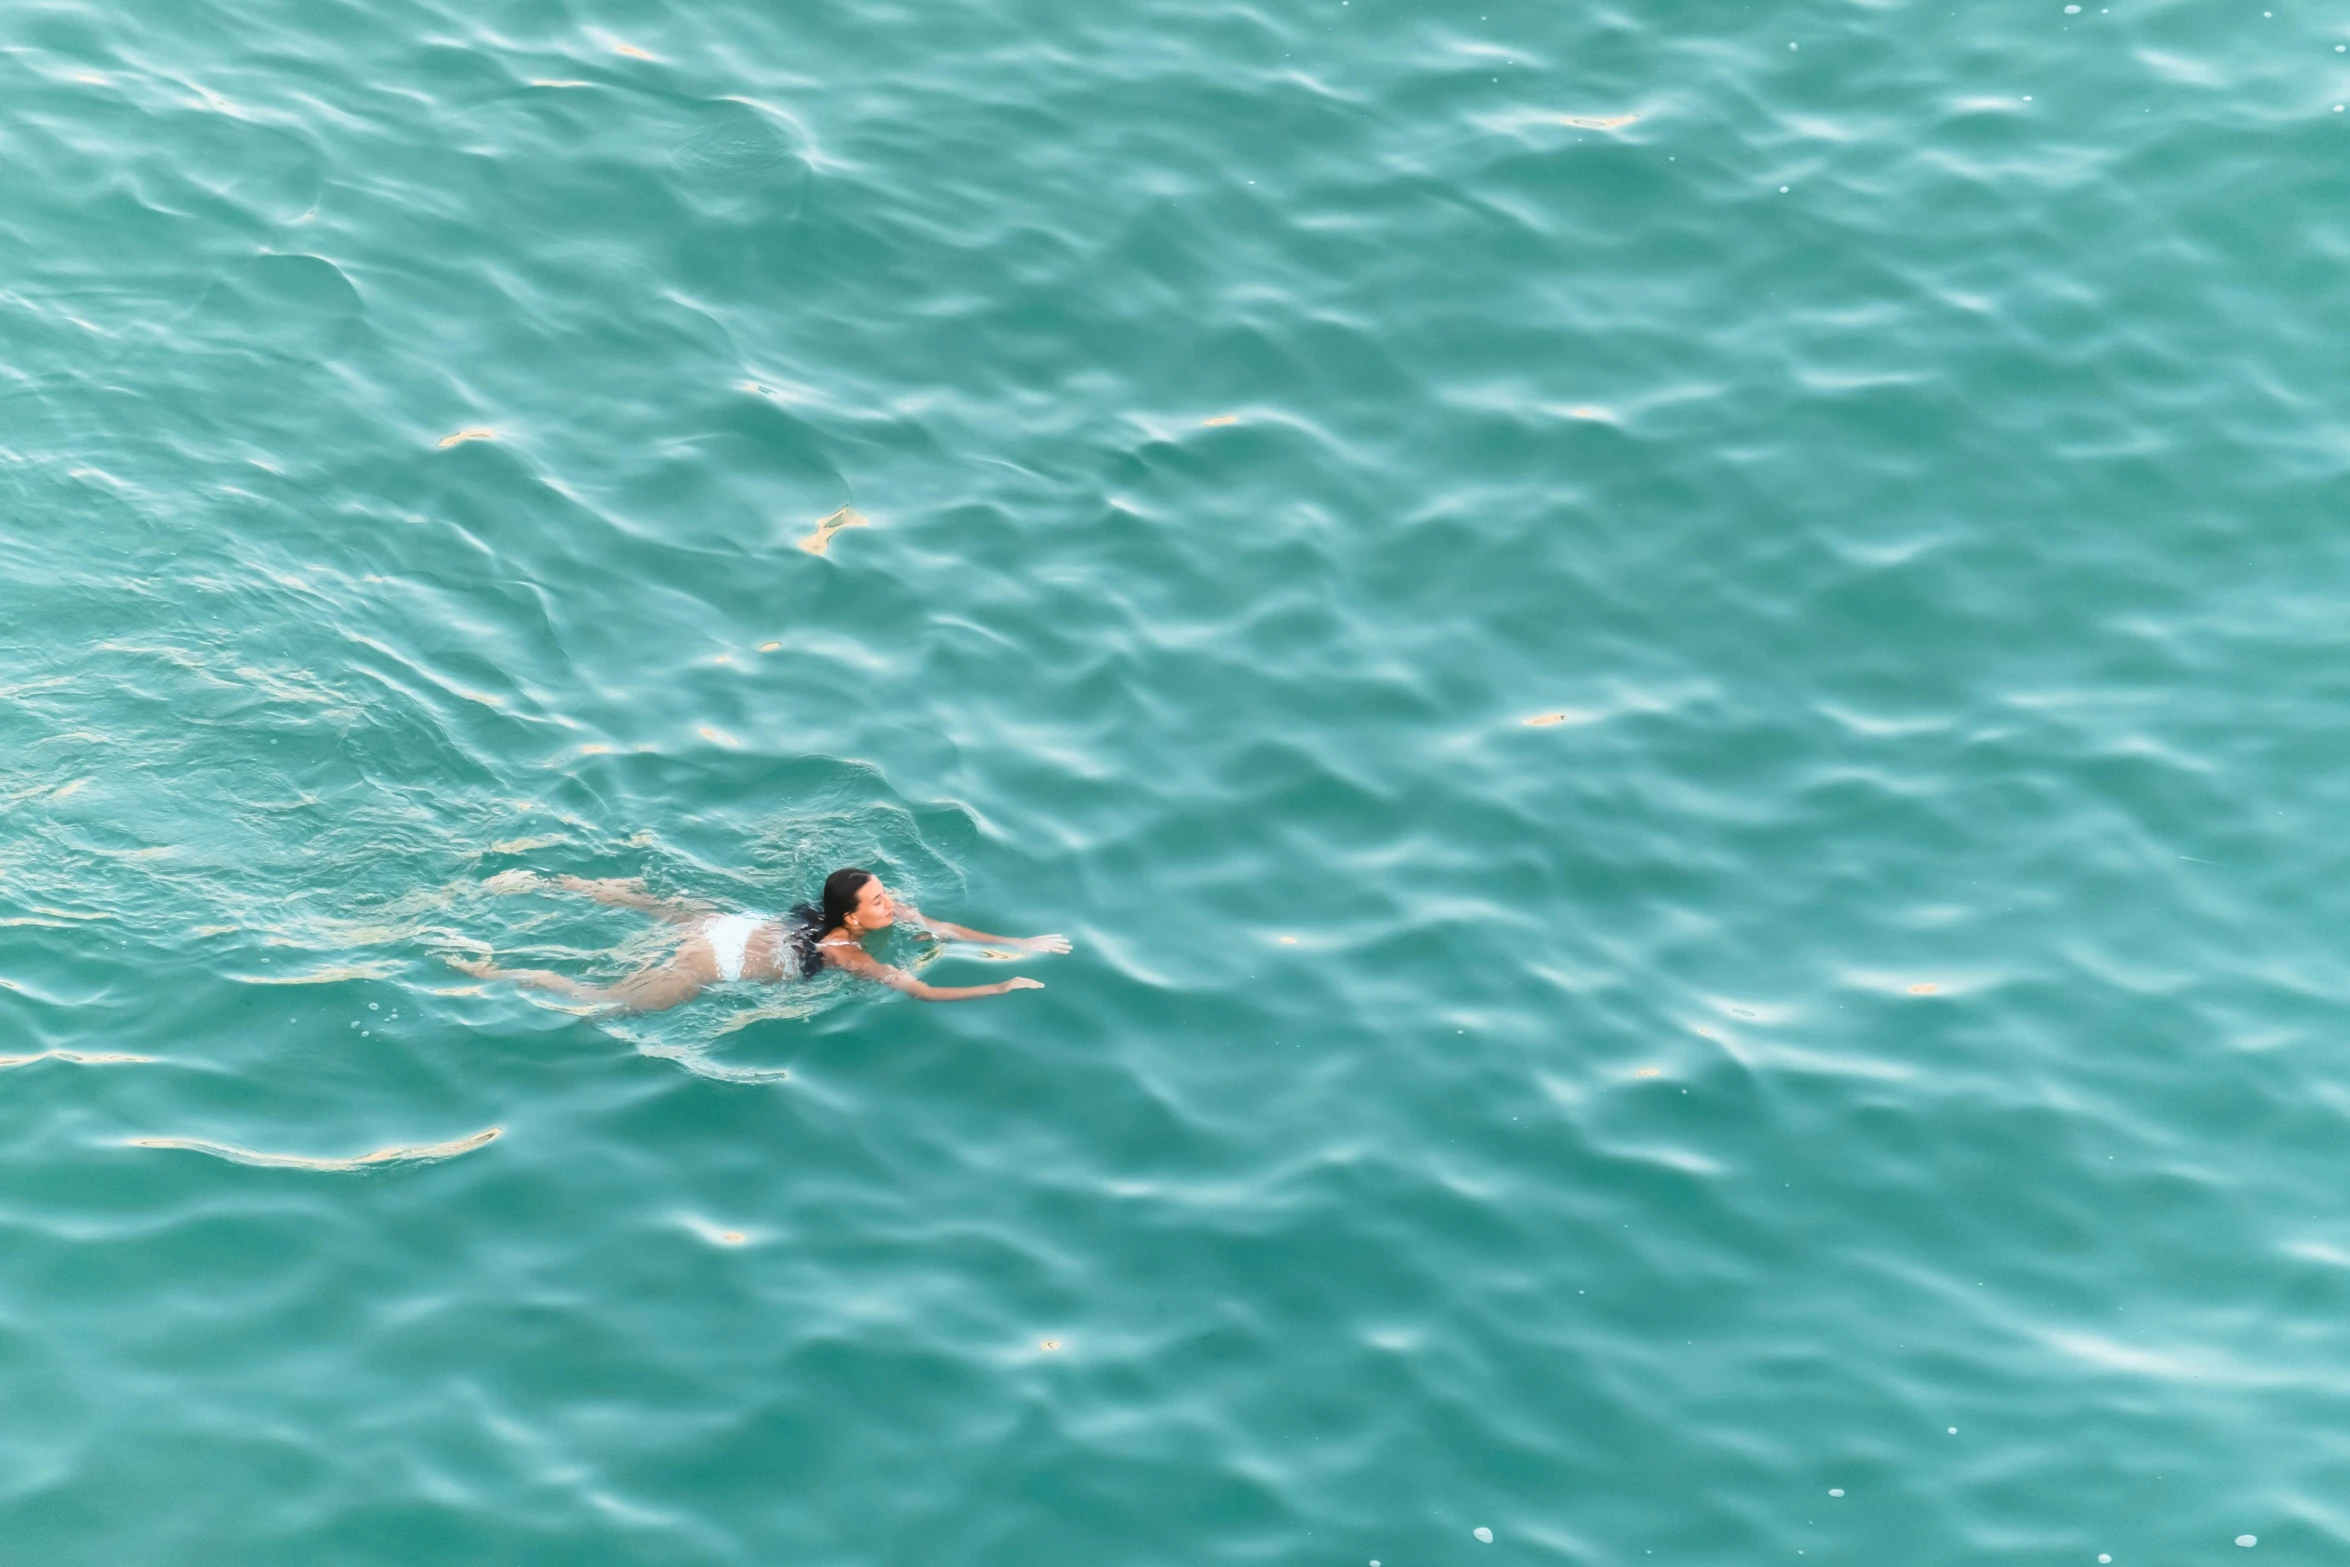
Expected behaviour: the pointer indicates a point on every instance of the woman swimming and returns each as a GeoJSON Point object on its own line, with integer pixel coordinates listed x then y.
{"type": "Point", "coordinates": [719, 947]}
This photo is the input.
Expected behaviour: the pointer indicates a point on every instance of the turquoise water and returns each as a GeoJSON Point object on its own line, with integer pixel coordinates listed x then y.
{"type": "Point", "coordinates": [1882, 1038]}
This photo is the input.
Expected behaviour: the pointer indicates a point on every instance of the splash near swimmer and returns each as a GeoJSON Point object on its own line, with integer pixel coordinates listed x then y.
{"type": "Point", "coordinates": [721, 948]}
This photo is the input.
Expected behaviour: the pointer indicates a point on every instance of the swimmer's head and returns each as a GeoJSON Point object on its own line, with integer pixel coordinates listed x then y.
{"type": "Point", "coordinates": [856, 901]}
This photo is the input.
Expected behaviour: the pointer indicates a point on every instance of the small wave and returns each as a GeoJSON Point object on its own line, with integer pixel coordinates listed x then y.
{"type": "Point", "coordinates": [418, 1153]}
{"type": "Point", "coordinates": [734, 141]}
{"type": "Point", "coordinates": [333, 974]}
{"type": "Point", "coordinates": [697, 1060]}
{"type": "Point", "coordinates": [289, 306]}
{"type": "Point", "coordinates": [77, 1057]}
{"type": "Point", "coordinates": [737, 163]}
{"type": "Point", "coordinates": [691, 1037]}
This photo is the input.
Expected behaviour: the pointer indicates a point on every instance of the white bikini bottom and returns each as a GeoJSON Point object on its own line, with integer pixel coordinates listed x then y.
{"type": "Point", "coordinates": [729, 935]}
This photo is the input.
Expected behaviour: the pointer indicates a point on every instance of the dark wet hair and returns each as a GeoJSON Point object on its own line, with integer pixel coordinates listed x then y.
{"type": "Point", "coordinates": [810, 921]}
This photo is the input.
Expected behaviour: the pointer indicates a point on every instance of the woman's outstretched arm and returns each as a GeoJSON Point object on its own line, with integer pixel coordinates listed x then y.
{"type": "Point", "coordinates": [954, 932]}
{"type": "Point", "coordinates": [864, 965]}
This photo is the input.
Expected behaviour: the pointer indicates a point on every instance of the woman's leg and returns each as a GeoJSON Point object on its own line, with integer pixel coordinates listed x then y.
{"type": "Point", "coordinates": [619, 893]}
{"type": "Point", "coordinates": [658, 989]}
{"type": "Point", "coordinates": [647, 990]}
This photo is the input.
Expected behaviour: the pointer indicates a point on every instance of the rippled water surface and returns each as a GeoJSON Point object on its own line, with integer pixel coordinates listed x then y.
{"type": "Point", "coordinates": [1676, 666]}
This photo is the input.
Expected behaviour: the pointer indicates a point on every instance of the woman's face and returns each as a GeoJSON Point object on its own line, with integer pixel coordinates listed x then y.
{"type": "Point", "coordinates": [874, 910]}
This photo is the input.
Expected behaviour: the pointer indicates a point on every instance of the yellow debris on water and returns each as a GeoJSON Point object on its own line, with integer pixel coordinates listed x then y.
{"type": "Point", "coordinates": [632, 51]}
{"type": "Point", "coordinates": [1586, 411]}
{"type": "Point", "coordinates": [1048, 1343]}
{"type": "Point", "coordinates": [594, 750]}
{"type": "Point", "coordinates": [847, 517]}
{"type": "Point", "coordinates": [719, 737]}
{"type": "Point", "coordinates": [1289, 941]}
{"type": "Point", "coordinates": [732, 1237]}
{"type": "Point", "coordinates": [1223, 419]}
{"type": "Point", "coordinates": [479, 432]}
{"type": "Point", "coordinates": [1542, 720]}
{"type": "Point", "coordinates": [1924, 990]}
{"type": "Point", "coordinates": [770, 647]}
{"type": "Point", "coordinates": [1593, 122]}
{"type": "Point", "coordinates": [1648, 1071]}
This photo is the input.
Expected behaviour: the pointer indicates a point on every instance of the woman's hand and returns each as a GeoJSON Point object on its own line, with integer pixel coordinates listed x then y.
{"type": "Point", "coordinates": [1022, 983]}
{"type": "Point", "coordinates": [1042, 943]}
